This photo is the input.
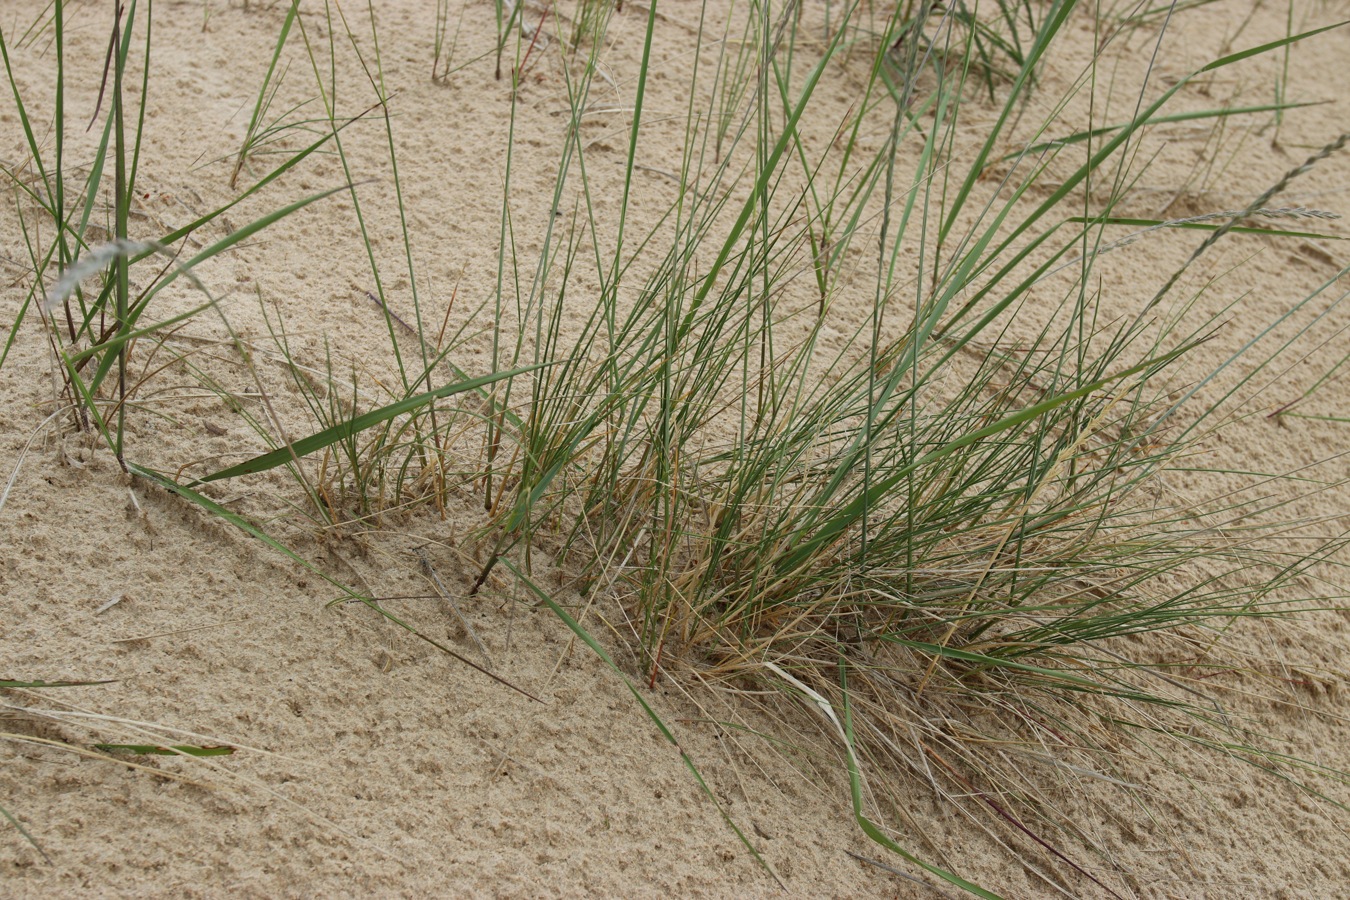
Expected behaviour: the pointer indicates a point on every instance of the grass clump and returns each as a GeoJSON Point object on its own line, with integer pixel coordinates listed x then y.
{"type": "Point", "coordinates": [942, 534]}
{"type": "Point", "coordinates": [848, 421]}
{"type": "Point", "coordinates": [75, 222]}
{"type": "Point", "coordinates": [939, 529]}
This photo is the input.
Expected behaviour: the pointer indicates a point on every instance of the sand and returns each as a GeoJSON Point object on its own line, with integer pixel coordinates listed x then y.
{"type": "Point", "coordinates": [370, 762]}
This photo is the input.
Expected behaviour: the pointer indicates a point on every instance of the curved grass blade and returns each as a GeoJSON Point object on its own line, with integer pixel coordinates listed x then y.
{"type": "Point", "coordinates": [249, 528]}
{"type": "Point", "coordinates": [344, 430]}
{"type": "Point", "coordinates": [845, 731]}
{"type": "Point", "coordinates": [661, 726]}
{"type": "Point", "coordinates": [260, 107]}
{"type": "Point", "coordinates": [108, 359]}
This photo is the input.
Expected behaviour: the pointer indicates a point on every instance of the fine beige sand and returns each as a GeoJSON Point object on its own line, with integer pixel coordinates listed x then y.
{"type": "Point", "coordinates": [372, 764]}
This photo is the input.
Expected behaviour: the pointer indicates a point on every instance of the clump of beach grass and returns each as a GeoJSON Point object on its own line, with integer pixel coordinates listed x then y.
{"type": "Point", "coordinates": [934, 526]}
{"type": "Point", "coordinates": [936, 537]}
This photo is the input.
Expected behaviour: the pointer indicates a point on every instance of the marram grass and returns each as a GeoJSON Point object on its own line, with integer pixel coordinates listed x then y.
{"type": "Point", "coordinates": [934, 534]}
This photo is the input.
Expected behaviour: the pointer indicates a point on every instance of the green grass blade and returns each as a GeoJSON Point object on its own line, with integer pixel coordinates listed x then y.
{"type": "Point", "coordinates": [109, 357]}
{"type": "Point", "coordinates": [1091, 134]}
{"type": "Point", "coordinates": [845, 732]}
{"type": "Point", "coordinates": [806, 548]}
{"type": "Point", "coordinates": [354, 426]}
{"type": "Point", "coordinates": [1273, 45]}
{"type": "Point", "coordinates": [250, 135]}
{"type": "Point", "coordinates": [1205, 226]}
{"type": "Point", "coordinates": [174, 750]}
{"type": "Point", "coordinates": [26, 835]}
{"type": "Point", "coordinates": [243, 234]}
{"type": "Point", "coordinates": [1053, 21]}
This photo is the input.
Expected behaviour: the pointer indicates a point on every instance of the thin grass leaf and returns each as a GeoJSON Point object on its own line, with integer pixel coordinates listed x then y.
{"type": "Point", "coordinates": [5, 683]}
{"type": "Point", "coordinates": [174, 750]}
{"type": "Point", "coordinates": [1272, 45]}
{"type": "Point", "coordinates": [27, 835]}
{"type": "Point", "coordinates": [249, 528]}
{"type": "Point", "coordinates": [1079, 137]}
{"type": "Point", "coordinates": [546, 599]}
{"type": "Point", "coordinates": [356, 425]}
{"type": "Point", "coordinates": [845, 732]}
{"type": "Point", "coordinates": [1206, 226]}
{"type": "Point", "coordinates": [263, 101]}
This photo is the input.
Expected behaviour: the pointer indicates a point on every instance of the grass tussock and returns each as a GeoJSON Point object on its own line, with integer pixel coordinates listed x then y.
{"type": "Point", "coordinates": [850, 420]}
